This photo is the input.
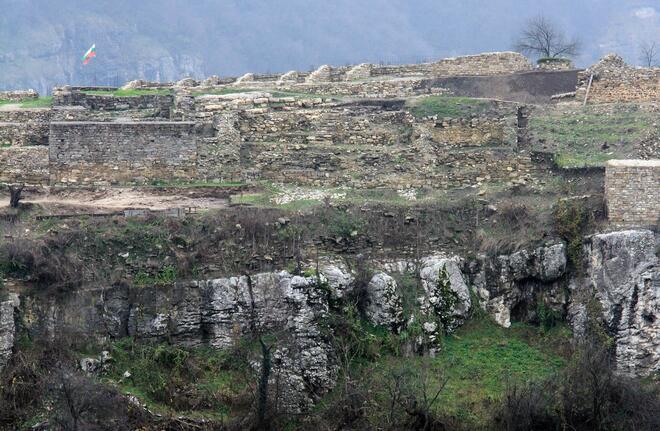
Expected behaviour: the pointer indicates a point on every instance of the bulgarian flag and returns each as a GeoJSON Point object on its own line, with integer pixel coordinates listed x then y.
{"type": "Point", "coordinates": [91, 53]}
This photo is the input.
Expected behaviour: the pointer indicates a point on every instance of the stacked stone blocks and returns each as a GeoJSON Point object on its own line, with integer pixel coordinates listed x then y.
{"type": "Point", "coordinates": [632, 192]}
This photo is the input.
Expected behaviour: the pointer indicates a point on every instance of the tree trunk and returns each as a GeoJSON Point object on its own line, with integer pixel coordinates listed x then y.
{"type": "Point", "coordinates": [15, 195]}
{"type": "Point", "coordinates": [262, 402]}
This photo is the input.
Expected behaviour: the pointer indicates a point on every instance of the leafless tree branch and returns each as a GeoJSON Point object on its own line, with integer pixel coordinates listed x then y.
{"type": "Point", "coordinates": [650, 54]}
{"type": "Point", "coordinates": [541, 37]}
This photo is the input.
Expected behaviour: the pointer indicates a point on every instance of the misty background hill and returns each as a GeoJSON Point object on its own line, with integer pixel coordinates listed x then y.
{"type": "Point", "coordinates": [42, 41]}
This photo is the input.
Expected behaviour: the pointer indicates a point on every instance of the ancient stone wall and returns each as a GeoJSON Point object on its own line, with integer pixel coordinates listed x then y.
{"type": "Point", "coordinates": [102, 153]}
{"type": "Point", "coordinates": [467, 132]}
{"type": "Point", "coordinates": [24, 165]}
{"type": "Point", "coordinates": [159, 103]}
{"type": "Point", "coordinates": [18, 95]}
{"type": "Point", "coordinates": [615, 81]}
{"type": "Point", "coordinates": [23, 127]}
{"type": "Point", "coordinates": [492, 63]}
{"type": "Point", "coordinates": [632, 192]}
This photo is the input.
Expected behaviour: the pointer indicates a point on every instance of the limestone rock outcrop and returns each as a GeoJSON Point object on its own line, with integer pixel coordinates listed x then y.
{"type": "Point", "coordinates": [622, 272]}
{"type": "Point", "coordinates": [7, 328]}
{"type": "Point", "coordinates": [451, 305]}
{"type": "Point", "coordinates": [385, 307]}
{"type": "Point", "coordinates": [510, 286]}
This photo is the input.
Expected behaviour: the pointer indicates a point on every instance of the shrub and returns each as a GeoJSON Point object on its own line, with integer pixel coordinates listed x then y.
{"type": "Point", "coordinates": [572, 221]}
{"type": "Point", "coordinates": [548, 318]}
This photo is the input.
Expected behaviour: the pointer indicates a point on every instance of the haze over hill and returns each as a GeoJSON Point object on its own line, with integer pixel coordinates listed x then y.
{"type": "Point", "coordinates": [41, 42]}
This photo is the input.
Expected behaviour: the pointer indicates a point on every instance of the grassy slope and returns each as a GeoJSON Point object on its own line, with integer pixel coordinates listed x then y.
{"type": "Point", "coordinates": [41, 102]}
{"type": "Point", "coordinates": [478, 362]}
{"type": "Point", "coordinates": [158, 372]}
{"type": "Point", "coordinates": [590, 136]}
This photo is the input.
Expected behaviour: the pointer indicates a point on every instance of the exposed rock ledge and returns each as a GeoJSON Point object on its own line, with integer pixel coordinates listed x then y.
{"type": "Point", "coordinates": [621, 271]}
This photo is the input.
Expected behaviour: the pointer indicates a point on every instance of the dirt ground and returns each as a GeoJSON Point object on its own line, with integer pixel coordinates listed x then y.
{"type": "Point", "coordinates": [116, 199]}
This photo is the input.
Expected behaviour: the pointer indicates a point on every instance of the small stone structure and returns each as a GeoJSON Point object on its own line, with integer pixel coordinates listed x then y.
{"type": "Point", "coordinates": [632, 192]}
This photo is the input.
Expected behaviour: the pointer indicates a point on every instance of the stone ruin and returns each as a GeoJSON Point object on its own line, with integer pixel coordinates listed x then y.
{"type": "Point", "coordinates": [336, 126]}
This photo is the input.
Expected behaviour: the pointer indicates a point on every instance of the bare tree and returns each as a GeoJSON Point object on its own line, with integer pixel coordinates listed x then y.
{"type": "Point", "coordinates": [543, 38]}
{"type": "Point", "coordinates": [650, 54]}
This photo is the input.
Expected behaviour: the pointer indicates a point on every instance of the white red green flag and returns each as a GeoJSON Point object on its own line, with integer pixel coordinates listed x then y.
{"type": "Point", "coordinates": [91, 53]}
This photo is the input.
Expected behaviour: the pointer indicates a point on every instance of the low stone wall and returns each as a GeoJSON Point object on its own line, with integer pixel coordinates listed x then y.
{"type": "Point", "coordinates": [102, 153]}
{"type": "Point", "coordinates": [555, 64]}
{"type": "Point", "coordinates": [492, 63]}
{"type": "Point", "coordinates": [18, 95]}
{"type": "Point", "coordinates": [161, 104]}
{"type": "Point", "coordinates": [24, 165]}
{"type": "Point", "coordinates": [24, 127]}
{"type": "Point", "coordinates": [615, 81]}
{"type": "Point", "coordinates": [632, 192]}
{"type": "Point", "coordinates": [467, 132]}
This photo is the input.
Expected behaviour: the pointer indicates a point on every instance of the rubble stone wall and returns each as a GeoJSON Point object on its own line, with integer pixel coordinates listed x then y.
{"type": "Point", "coordinates": [24, 165]}
{"type": "Point", "coordinates": [102, 153]}
{"type": "Point", "coordinates": [615, 81]}
{"type": "Point", "coordinates": [24, 127]}
{"type": "Point", "coordinates": [162, 103]}
{"type": "Point", "coordinates": [632, 191]}
{"type": "Point", "coordinates": [18, 95]}
{"type": "Point", "coordinates": [492, 63]}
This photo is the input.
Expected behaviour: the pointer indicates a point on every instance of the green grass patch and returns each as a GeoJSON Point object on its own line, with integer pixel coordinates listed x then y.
{"type": "Point", "coordinates": [167, 275]}
{"type": "Point", "coordinates": [478, 362]}
{"type": "Point", "coordinates": [199, 382]}
{"type": "Point", "coordinates": [130, 92]}
{"type": "Point", "coordinates": [481, 358]}
{"type": "Point", "coordinates": [41, 102]}
{"type": "Point", "coordinates": [589, 136]}
{"type": "Point", "coordinates": [447, 106]}
{"type": "Point", "coordinates": [581, 160]}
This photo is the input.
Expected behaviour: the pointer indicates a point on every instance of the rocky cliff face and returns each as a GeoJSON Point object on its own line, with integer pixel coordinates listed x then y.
{"type": "Point", "coordinates": [621, 272]}
{"type": "Point", "coordinates": [509, 286]}
{"type": "Point", "coordinates": [7, 328]}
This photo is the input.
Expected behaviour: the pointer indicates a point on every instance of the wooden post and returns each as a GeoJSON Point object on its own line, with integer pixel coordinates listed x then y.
{"type": "Point", "coordinates": [586, 96]}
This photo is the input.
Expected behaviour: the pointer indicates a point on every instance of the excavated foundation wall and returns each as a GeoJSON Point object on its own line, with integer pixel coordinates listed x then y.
{"type": "Point", "coordinates": [632, 191]}
{"type": "Point", "coordinates": [102, 153]}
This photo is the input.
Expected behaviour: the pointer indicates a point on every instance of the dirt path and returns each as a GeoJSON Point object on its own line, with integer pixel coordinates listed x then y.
{"type": "Point", "coordinates": [115, 199]}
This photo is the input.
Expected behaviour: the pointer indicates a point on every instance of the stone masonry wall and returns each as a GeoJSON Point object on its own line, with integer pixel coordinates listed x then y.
{"type": "Point", "coordinates": [24, 127]}
{"type": "Point", "coordinates": [632, 192]}
{"type": "Point", "coordinates": [492, 63]}
{"type": "Point", "coordinates": [102, 153]}
{"type": "Point", "coordinates": [161, 103]}
{"type": "Point", "coordinates": [615, 81]}
{"type": "Point", "coordinates": [18, 95]}
{"type": "Point", "coordinates": [24, 165]}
